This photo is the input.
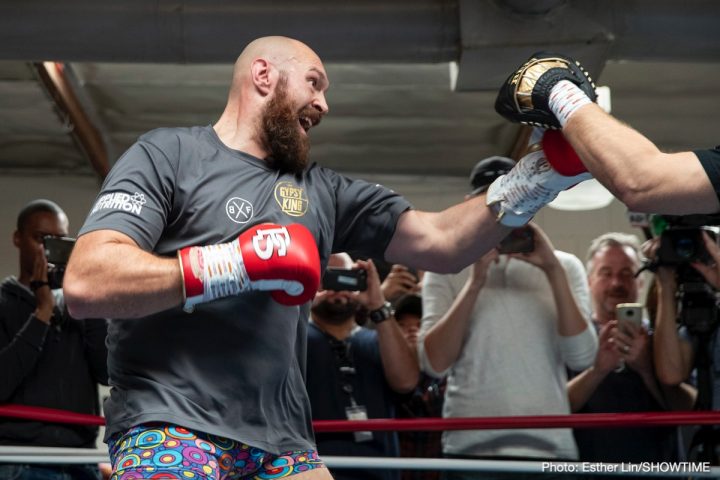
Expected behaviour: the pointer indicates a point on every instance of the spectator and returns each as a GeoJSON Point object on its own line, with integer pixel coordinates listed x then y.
{"type": "Point", "coordinates": [424, 401]}
{"type": "Point", "coordinates": [622, 378]}
{"type": "Point", "coordinates": [506, 326]}
{"type": "Point", "coordinates": [47, 358]}
{"type": "Point", "coordinates": [680, 341]}
{"type": "Point", "coordinates": [353, 373]}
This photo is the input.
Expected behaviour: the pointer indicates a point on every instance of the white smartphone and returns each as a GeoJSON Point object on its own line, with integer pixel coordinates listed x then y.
{"type": "Point", "coordinates": [629, 313]}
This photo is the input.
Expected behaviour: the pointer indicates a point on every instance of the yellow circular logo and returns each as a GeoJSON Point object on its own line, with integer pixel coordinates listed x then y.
{"type": "Point", "coordinates": [292, 199]}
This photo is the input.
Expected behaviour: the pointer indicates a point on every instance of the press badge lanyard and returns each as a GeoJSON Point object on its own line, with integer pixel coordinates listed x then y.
{"type": "Point", "coordinates": [346, 369]}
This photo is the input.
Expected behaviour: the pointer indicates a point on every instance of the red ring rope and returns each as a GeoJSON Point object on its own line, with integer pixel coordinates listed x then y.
{"type": "Point", "coordinates": [582, 420]}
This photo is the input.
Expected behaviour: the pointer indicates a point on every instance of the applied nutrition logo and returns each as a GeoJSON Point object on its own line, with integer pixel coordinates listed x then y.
{"type": "Point", "coordinates": [131, 203]}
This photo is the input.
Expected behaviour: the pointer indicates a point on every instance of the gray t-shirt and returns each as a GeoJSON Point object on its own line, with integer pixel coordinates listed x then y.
{"type": "Point", "coordinates": [234, 367]}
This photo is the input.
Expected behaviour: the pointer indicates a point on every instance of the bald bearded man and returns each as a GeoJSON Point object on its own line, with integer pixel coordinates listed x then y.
{"type": "Point", "coordinates": [205, 246]}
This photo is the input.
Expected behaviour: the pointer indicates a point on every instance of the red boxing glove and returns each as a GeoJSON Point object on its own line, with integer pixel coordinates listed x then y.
{"type": "Point", "coordinates": [270, 257]}
{"type": "Point", "coordinates": [561, 155]}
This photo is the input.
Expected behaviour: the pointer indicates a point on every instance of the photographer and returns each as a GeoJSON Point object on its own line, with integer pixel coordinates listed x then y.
{"type": "Point", "coordinates": [47, 359]}
{"type": "Point", "coordinates": [354, 372]}
{"type": "Point", "coordinates": [686, 299]}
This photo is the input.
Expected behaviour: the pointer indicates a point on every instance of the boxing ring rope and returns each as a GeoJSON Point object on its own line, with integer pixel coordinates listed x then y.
{"type": "Point", "coordinates": [14, 454]}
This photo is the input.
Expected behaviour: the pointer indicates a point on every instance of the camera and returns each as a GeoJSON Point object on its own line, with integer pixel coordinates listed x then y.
{"type": "Point", "coordinates": [682, 243]}
{"type": "Point", "coordinates": [685, 245]}
{"type": "Point", "coordinates": [681, 238]}
{"type": "Point", "coordinates": [57, 252]}
{"type": "Point", "coordinates": [519, 240]}
{"type": "Point", "coordinates": [338, 279]}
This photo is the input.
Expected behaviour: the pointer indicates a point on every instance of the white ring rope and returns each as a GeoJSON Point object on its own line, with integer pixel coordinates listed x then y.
{"type": "Point", "coordinates": [50, 455]}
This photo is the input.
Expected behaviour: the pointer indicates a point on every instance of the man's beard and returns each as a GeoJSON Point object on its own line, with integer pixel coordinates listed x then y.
{"type": "Point", "coordinates": [289, 148]}
{"type": "Point", "coordinates": [335, 313]}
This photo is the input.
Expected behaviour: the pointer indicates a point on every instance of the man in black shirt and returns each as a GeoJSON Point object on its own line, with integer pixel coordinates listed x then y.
{"type": "Point", "coordinates": [47, 358]}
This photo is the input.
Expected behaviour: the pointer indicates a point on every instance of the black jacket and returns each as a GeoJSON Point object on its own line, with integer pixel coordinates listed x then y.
{"type": "Point", "coordinates": [53, 366]}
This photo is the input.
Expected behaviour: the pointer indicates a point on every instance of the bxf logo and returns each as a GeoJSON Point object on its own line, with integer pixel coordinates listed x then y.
{"type": "Point", "coordinates": [266, 242]}
{"type": "Point", "coordinates": [239, 210]}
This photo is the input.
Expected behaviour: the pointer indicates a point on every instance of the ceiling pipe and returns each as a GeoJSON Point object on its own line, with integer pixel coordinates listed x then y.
{"type": "Point", "coordinates": [71, 112]}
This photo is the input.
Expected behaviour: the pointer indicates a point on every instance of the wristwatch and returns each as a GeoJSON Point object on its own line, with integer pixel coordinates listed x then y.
{"type": "Point", "coordinates": [382, 313]}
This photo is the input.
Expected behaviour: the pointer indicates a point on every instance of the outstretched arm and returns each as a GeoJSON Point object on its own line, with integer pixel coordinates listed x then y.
{"type": "Point", "coordinates": [635, 170]}
{"type": "Point", "coordinates": [447, 241]}
{"type": "Point", "coordinates": [553, 90]}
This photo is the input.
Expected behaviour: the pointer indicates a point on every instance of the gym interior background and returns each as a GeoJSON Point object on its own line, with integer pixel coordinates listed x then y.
{"type": "Point", "coordinates": [412, 86]}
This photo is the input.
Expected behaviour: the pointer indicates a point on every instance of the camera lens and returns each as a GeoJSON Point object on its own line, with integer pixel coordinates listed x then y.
{"type": "Point", "coordinates": [685, 247]}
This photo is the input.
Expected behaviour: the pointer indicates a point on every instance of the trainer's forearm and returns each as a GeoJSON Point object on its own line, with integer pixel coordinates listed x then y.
{"type": "Point", "coordinates": [613, 152]}
{"type": "Point", "coordinates": [118, 280]}
{"type": "Point", "coordinates": [635, 170]}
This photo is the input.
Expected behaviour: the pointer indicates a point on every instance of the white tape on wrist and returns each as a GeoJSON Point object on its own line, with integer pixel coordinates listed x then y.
{"type": "Point", "coordinates": [565, 99]}
{"type": "Point", "coordinates": [223, 273]}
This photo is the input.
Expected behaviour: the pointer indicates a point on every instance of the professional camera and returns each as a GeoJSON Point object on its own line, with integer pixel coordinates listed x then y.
{"type": "Point", "coordinates": [57, 252]}
{"type": "Point", "coordinates": [681, 243]}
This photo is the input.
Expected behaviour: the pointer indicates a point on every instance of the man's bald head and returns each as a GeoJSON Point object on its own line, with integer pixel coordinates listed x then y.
{"type": "Point", "coordinates": [280, 51]}
{"type": "Point", "coordinates": [277, 95]}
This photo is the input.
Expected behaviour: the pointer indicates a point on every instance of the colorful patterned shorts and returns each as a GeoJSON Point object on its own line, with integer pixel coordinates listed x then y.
{"type": "Point", "coordinates": [162, 451]}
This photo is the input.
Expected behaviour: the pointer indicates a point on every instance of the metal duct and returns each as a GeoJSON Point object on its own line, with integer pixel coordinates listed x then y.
{"type": "Point", "coordinates": [209, 31]}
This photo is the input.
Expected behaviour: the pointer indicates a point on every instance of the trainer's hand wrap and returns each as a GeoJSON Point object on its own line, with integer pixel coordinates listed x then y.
{"type": "Point", "coordinates": [533, 183]}
{"type": "Point", "coordinates": [281, 259]}
{"type": "Point", "coordinates": [525, 95]}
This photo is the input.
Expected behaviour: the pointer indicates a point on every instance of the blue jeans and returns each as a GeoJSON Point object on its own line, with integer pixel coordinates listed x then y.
{"type": "Point", "coordinates": [49, 472]}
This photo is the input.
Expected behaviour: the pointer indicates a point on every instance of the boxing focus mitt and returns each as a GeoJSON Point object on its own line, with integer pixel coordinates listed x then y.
{"type": "Point", "coordinates": [524, 96]}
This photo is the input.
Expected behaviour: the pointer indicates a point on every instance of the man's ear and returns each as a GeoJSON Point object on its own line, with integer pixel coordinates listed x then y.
{"type": "Point", "coordinates": [262, 75]}
{"type": "Point", "coordinates": [16, 238]}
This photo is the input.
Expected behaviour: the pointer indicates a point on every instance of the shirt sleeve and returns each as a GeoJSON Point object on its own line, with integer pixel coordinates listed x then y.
{"type": "Point", "coordinates": [367, 214]}
{"type": "Point", "coordinates": [438, 297]}
{"type": "Point", "coordinates": [710, 161]}
{"type": "Point", "coordinates": [578, 351]}
{"type": "Point", "coordinates": [136, 197]}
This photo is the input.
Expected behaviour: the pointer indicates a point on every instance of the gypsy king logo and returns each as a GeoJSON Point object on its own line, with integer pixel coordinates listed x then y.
{"type": "Point", "coordinates": [121, 201]}
{"type": "Point", "coordinates": [239, 210]}
{"type": "Point", "coordinates": [292, 199]}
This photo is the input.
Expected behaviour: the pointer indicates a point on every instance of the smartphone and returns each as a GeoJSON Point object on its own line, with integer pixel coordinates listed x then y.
{"type": "Point", "coordinates": [57, 249]}
{"type": "Point", "coordinates": [629, 313]}
{"type": "Point", "coordinates": [338, 279]}
{"type": "Point", "coordinates": [519, 240]}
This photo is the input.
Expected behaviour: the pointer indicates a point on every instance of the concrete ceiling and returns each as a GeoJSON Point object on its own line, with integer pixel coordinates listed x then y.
{"type": "Point", "coordinates": [413, 82]}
